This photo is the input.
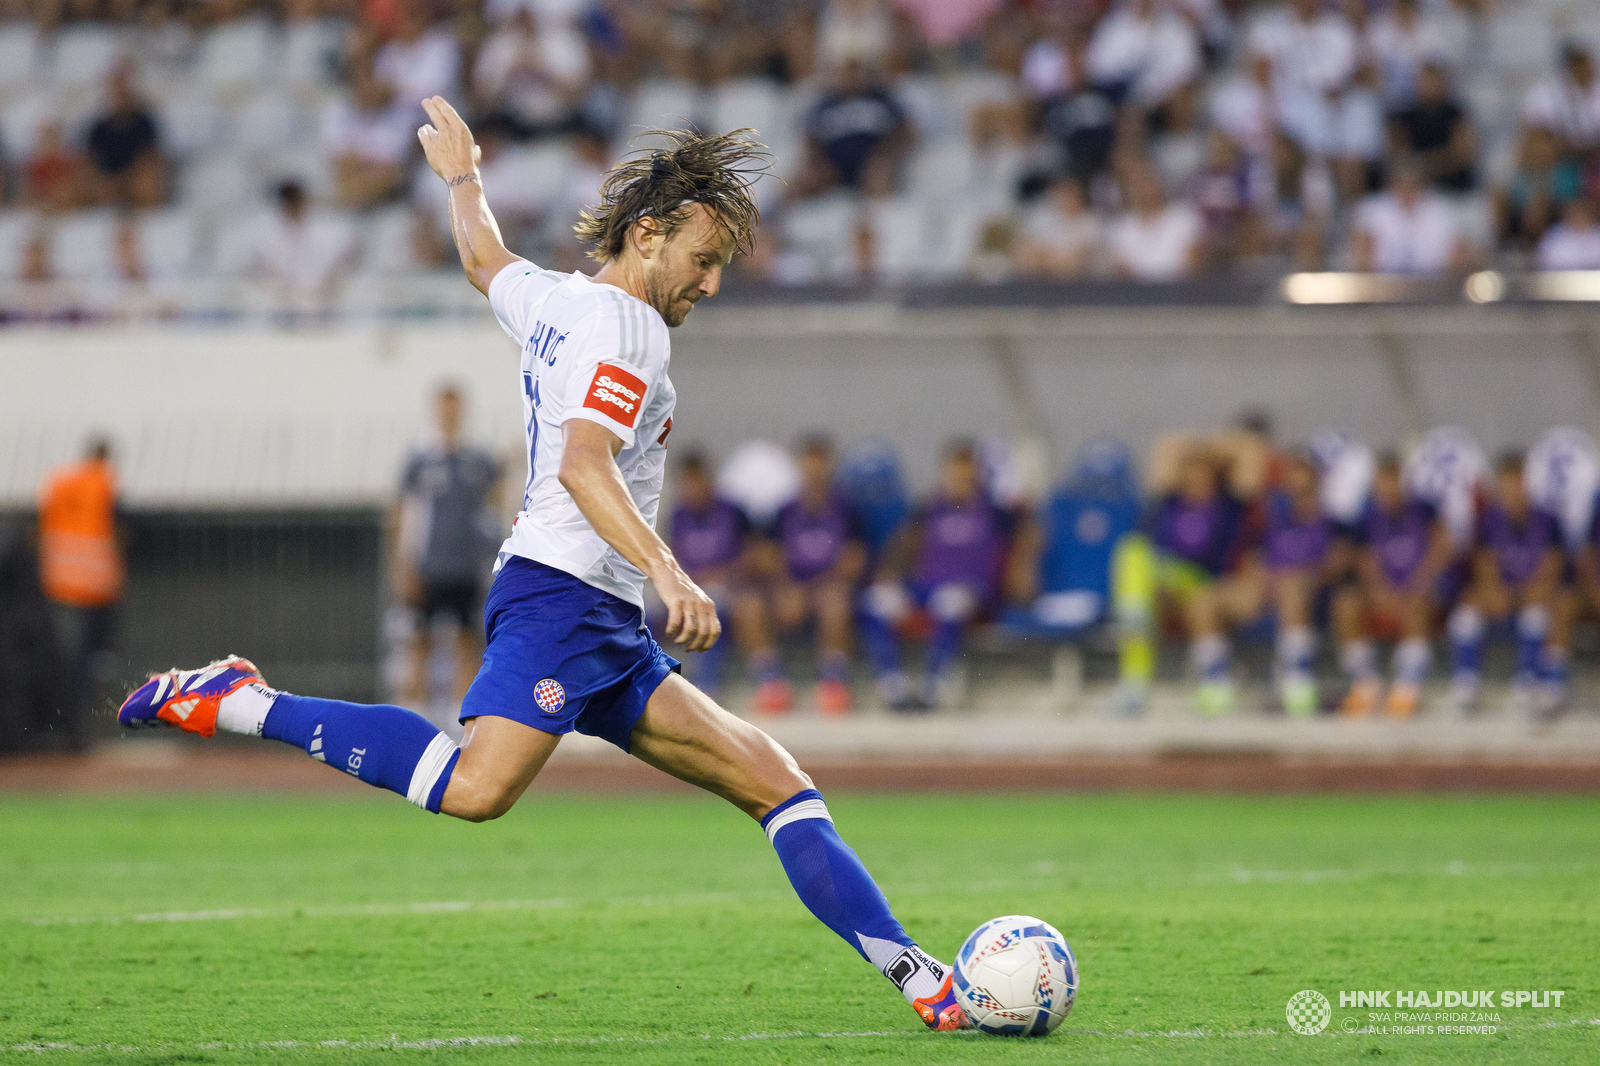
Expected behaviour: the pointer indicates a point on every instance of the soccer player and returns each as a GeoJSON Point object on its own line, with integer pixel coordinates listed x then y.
{"type": "Point", "coordinates": [709, 538]}
{"type": "Point", "coordinates": [949, 560]}
{"type": "Point", "coordinates": [819, 541]}
{"type": "Point", "coordinates": [1402, 549]}
{"type": "Point", "coordinates": [1202, 570]}
{"type": "Point", "coordinates": [1516, 572]}
{"type": "Point", "coordinates": [567, 644]}
{"type": "Point", "coordinates": [1301, 556]}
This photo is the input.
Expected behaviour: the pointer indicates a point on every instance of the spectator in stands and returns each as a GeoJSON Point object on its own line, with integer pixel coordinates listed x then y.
{"type": "Point", "coordinates": [1401, 551]}
{"type": "Point", "coordinates": [1568, 102]}
{"type": "Point", "coordinates": [1181, 145]}
{"type": "Point", "coordinates": [1404, 39]}
{"type": "Point", "coordinates": [1060, 237]}
{"type": "Point", "coordinates": [710, 537]}
{"type": "Point", "coordinates": [814, 557]}
{"type": "Point", "coordinates": [1154, 240]}
{"type": "Point", "coordinates": [1295, 214]}
{"type": "Point", "coordinates": [124, 148]}
{"type": "Point", "coordinates": [1143, 51]}
{"type": "Point", "coordinates": [1574, 242]}
{"type": "Point", "coordinates": [36, 265]}
{"type": "Point", "coordinates": [369, 141]}
{"type": "Point", "coordinates": [858, 31]}
{"type": "Point", "coordinates": [82, 571]}
{"type": "Point", "coordinates": [1245, 107]}
{"type": "Point", "coordinates": [1544, 183]}
{"type": "Point", "coordinates": [1407, 230]}
{"type": "Point", "coordinates": [419, 61]}
{"type": "Point", "coordinates": [948, 562]}
{"type": "Point", "coordinates": [1301, 558]}
{"type": "Point", "coordinates": [1220, 192]}
{"type": "Point", "coordinates": [856, 134]}
{"type": "Point", "coordinates": [532, 72]}
{"type": "Point", "coordinates": [1436, 134]}
{"type": "Point", "coordinates": [1516, 571]}
{"type": "Point", "coordinates": [1312, 50]}
{"type": "Point", "coordinates": [446, 539]}
{"type": "Point", "coordinates": [1359, 136]}
{"type": "Point", "coordinates": [53, 173]}
{"type": "Point", "coordinates": [299, 253]}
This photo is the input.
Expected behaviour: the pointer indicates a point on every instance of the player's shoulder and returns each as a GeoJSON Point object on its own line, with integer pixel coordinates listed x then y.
{"type": "Point", "coordinates": [616, 321]}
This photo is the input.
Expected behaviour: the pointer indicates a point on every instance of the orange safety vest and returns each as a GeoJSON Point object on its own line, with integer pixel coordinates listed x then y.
{"type": "Point", "coordinates": [79, 561]}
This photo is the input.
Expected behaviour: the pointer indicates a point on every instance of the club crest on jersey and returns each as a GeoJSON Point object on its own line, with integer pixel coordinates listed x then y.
{"type": "Point", "coordinates": [549, 695]}
{"type": "Point", "coordinates": [615, 393]}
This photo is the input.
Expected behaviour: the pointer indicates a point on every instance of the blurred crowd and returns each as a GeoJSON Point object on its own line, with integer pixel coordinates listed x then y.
{"type": "Point", "coordinates": [1326, 553]}
{"type": "Point", "coordinates": [150, 141]}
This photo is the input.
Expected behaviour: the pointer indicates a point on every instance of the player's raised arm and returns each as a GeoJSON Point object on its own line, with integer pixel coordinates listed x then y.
{"type": "Point", "coordinates": [451, 152]}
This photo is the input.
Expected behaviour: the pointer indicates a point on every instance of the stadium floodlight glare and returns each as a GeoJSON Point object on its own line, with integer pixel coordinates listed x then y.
{"type": "Point", "coordinates": [1485, 287]}
{"type": "Point", "coordinates": [1336, 287]}
{"type": "Point", "coordinates": [1576, 286]}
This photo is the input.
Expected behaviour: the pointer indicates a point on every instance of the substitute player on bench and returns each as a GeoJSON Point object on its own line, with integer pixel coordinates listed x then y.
{"type": "Point", "coordinates": [567, 644]}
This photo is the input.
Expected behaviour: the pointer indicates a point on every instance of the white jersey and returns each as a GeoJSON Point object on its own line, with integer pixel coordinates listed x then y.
{"type": "Point", "coordinates": [589, 351]}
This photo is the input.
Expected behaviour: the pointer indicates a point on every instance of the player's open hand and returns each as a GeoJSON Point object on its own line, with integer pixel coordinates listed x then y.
{"type": "Point", "coordinates": [691, 616]}
{"type": "Point", "coordinates": [447, 142]}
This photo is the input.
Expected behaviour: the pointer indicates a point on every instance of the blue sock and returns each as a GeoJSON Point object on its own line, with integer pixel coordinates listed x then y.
{"type": "Point", "coordinates": [1532, 624]}
{"type": "Point", "coordinates": [835, 887]}
{"type": "Point", "coordinates": [386, 746]}
{"type": "Point", "coordinates": [943, 646]}
{"type": "Point", "coordinates": [1466, 640]}
{"type": "Point", "coordinates": [883, 643]}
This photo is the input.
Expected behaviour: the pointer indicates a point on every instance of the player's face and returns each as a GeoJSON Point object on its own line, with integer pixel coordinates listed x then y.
{"type": "Point", "coordinates": [1199, 480]}
{"type": "Point", "coordinates": [1386, 488]}
{"type": "Point", "coordinates": [1513, 496]}
{"type": "Point", "coordinates": [687, 266]}
{"type": "Point", "coordinates": [816, 470]}
{"type": "Point", "coordinates": [960, 477]}
{"type": "Point", "coordinates": [696, 488]}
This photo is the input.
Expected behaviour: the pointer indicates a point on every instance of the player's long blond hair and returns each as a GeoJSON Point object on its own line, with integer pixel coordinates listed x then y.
{"type": "Point", "coordinates": [664, 184]}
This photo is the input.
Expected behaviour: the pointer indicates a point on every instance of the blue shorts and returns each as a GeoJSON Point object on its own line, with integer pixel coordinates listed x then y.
{"type": "Point", "coordinates": [563, 655]}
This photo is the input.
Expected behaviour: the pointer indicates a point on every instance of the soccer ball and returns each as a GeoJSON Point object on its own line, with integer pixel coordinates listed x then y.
{"type": "Point", "coordinates": [1016, 976]}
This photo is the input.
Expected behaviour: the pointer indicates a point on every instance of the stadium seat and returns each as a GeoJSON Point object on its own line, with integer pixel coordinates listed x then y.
{"type": "Point", "coordinates": [872, 479]}
{"type": "Point", "coordinates": [16, 228]}
{"type": "Point", "coordinates": [19, 54]}
{"type": "Point", "coordinates": [1521, 42]}
{"type": "Point", "coordinates": [310, 50]}
{"type": "Point", "coordinates": [822, 230]}
{"type": "Point", "coordinates": [191, 124]}
{"type": "Point", "coordinates": [388, 242]}
{"type": "Point", "coordinates": [170, 242]}
{"type": "Point", "coordinates": [304, 163]}
{"type": "Point", "coordinates": [663, 104]}
{"type": "Point", "coordinates": [22, 120]}
{"type": "Point", "coordinates": [230, 253]}
{"type": "Point", "coordinates": [236, 55]}
{"type": "Point", "coordinates": [84, 54]}
{"type": "Point", "coordinates": [953, 230]}
{"type": "Point", "coordinates": [929, 107]}
{"type": "Point", "coordinates": [941, 170]}
{"type": "Point", "coordinates": [897, 237]}
{"type": "Point", "coordinates": [82, 243]}
{"type": "Point", "coordinates": [754, 102]}
{"type": "Point", "coordinates": [1084, 519]}
{"type": "Point", "coordinates": [221, 182]}
{"type": "Point", "coordinates": [268, 124]}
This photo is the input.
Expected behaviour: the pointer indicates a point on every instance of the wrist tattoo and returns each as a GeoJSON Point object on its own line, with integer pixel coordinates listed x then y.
{"type": "Point", "coordinates": [462, 180]}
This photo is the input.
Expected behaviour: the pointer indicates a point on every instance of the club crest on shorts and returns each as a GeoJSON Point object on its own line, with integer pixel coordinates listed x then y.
{"type": "Point", "coordinates": [549, 695]}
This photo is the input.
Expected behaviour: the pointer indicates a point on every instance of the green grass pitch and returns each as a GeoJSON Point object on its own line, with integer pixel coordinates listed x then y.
{"type": "Point", "coordinates": [661, 930]}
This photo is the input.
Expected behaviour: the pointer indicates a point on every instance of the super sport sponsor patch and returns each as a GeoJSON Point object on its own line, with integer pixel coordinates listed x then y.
{"type": "Point", "coordinates": [615, 393]}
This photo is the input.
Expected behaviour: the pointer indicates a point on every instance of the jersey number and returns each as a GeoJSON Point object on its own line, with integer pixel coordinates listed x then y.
{"type": "Point", "coordinates": [530, 389]}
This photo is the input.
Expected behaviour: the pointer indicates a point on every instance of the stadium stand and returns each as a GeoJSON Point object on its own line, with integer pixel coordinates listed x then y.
{"type": "Point", "coordinates": [1165, 112]}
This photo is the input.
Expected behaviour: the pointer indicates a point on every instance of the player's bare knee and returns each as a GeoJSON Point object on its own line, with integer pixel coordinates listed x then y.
{"type": "Point", "coordinates": [473, 802]}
